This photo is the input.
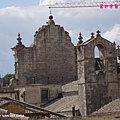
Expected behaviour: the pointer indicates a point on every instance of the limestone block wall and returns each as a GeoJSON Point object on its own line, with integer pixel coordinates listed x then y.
{"type": "Point", "coordinates": [96, 88]}
{"type": "Point", "coordinates": [51, 58]}
{"type": "Point", "coordinates": [33, 93]}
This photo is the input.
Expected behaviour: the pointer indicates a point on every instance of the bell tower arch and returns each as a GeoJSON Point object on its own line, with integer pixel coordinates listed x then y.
{"type": "Point", "coordinates": [99, 55]}
{"type": "Point", "coordinates": [97, 73]}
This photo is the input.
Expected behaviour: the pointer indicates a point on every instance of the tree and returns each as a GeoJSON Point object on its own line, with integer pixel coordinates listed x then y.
{"type": "Point", "coordinates": [9, 76]}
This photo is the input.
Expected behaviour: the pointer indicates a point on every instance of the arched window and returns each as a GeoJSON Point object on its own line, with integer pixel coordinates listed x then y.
{"type": "Point", "coordinates": [99, 58]}
{"type": "Point", "coordinates": [96, 52]}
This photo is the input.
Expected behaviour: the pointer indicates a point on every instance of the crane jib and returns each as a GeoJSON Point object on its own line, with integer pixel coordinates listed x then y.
{"type": "Point", "coordinates": [109, 4]}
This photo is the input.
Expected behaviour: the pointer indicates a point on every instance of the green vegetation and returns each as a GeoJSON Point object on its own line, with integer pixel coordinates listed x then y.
{"type": "Point", "coordinates": [9, 76]}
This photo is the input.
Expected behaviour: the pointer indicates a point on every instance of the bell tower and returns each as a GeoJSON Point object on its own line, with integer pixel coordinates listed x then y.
{"type": "Point", "coordinates": [97, 74]}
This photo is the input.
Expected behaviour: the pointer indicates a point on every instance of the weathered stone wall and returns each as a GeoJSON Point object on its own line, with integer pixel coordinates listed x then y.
{"type": "Point", "coordinates": [33, 93]}
{"type": "Point", "coordinates": [72, 86]}
{"type": "Point", "coordinates": [96, 88]}
{"type": "Point", "coordinates": [21, 95]}
{"type": "Point", "coordinates": [81, 78]}
{"type": "Point", "coordinates": [51, 58]}
{"type": "Point", "coordinates": [6, 94]}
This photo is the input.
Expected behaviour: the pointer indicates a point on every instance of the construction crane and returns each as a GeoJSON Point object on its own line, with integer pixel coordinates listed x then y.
{"type": "Point", "coordinates": [86, 4]}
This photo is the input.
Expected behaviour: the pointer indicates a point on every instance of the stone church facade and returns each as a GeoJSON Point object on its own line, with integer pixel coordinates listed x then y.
{"type": "Point", "coordinates": [53, 60]}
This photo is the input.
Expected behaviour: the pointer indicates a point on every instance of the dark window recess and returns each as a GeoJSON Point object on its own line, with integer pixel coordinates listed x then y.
{"type": "Point", "coordinates": [33, 80]}
{"type": "Point", "coordinates": [97, 65]}
{"type": "Point", "coordinates": [17, 95]}
{"type": "Point", "coordinates": [118, 67]}
{"type": "Point", "coordinates": [44, 96]}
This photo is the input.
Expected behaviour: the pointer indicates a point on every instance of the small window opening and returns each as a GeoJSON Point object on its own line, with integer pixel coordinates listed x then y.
{"type": "Point", "coordinates": [33, 80]}
{"type": "Point", "coordinates": [118, 64]}
{"type": "Point", "coordinates": [44, 95]}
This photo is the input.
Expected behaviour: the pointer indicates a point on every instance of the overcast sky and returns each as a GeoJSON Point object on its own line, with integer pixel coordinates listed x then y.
{"type": "Point", "coordinates": [26, 16]}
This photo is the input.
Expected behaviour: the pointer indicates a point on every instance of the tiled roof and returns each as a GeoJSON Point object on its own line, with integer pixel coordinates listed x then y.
{"type": "Point", "coordinates": [111, 108]}
{"type": "Point", "coordinates": [64, 104]}
{"type": "Point", "coordinates": [72, 86]}
{"type": "Point", "coordinates": [70, 98]}
{"type": "Point", "coordinates": [31, 107]}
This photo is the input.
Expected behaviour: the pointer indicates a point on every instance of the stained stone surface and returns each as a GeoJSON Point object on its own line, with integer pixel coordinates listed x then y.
{"type": "Point", "coordinates": [51, 58]}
